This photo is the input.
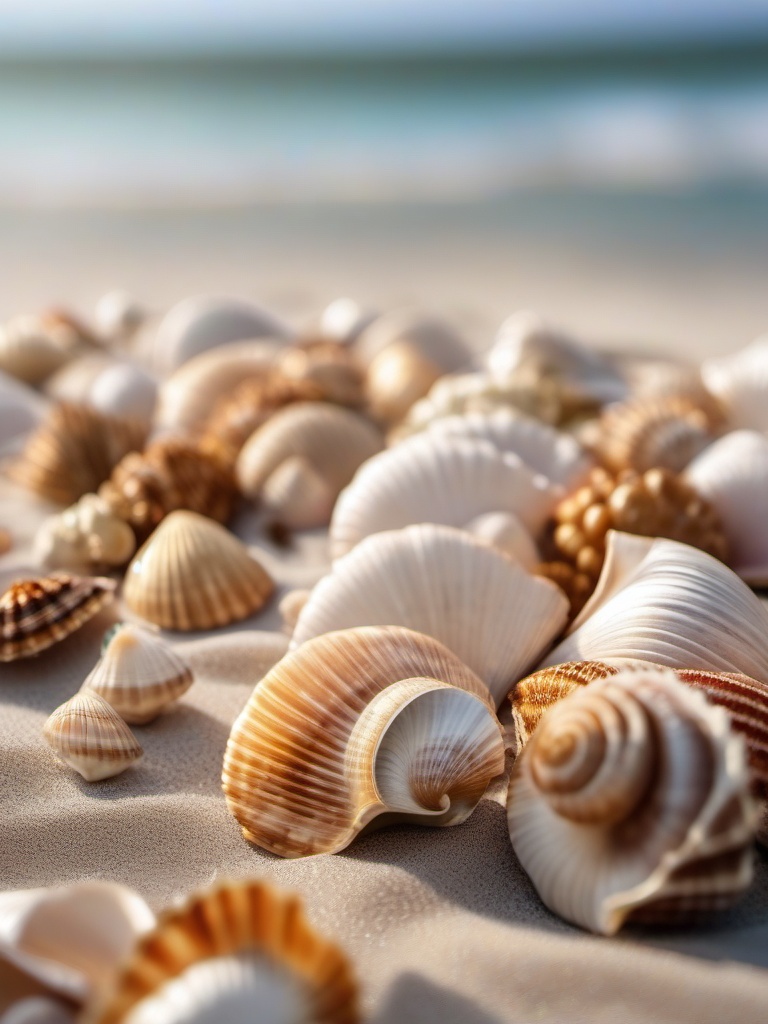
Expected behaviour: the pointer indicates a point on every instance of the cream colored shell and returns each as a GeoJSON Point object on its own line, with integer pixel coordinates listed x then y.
{"type": "Point", "coordinates": [298, 495]}
{"type": "Point", "coordinates": [740, 382]}
{"type": "Point", "coordinates": [630, 802]}
{"type": "Point", "coordinates": [33, 347]}
{"type": "Point", "coordinates": [436, 339]}
{"type": "Point", "coordinates": [89, 736]}
{"type": "Point", "coordinates": [86, 535]}
{"type": "Point", "coordinates": [505, 532]}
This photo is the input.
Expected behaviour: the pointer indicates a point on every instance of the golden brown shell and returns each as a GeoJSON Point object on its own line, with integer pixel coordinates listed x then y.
{"type": "Point", "coordinates": [667, 431]}
{"type": "Point", "coordinates": [332, 367]}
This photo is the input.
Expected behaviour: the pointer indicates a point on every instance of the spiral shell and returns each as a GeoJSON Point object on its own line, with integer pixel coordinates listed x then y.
{"type": "Point", "coordinates": [89, 735]}
{"type": "Point", "coordinates": [669, 432]}
{"type": "Point", "coordinates": [631, 802]}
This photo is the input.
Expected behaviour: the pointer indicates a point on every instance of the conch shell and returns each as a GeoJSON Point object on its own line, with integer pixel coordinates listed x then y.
{"type": "Point", "coordinates": [631, 802]}
{"type": "Point", "coordinates": [363, 724]}
{"type": "Point", "coordinates": [90, 736]}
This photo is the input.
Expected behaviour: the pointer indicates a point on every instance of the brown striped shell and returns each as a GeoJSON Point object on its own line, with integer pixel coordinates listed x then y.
{"type": "Point", "coordinates": [89, 735]}
{"type": "Point", "coordinates": [667, 431]}
{"type": "Point", "coordinates": [330, 366]}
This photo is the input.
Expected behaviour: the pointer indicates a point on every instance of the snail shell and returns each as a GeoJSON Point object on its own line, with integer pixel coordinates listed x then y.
{"type": "Point", "coordinates": [631, 802]}
{"type": "Point", "coordinates": [89, 735]}
{"type": "Point", "coordinates": [668, 431]}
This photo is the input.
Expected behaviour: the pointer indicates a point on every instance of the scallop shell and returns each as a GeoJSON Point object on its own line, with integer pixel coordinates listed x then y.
{"type": "Point", "coordinates": [32, 347]}
{"type": "Point", "coordinates": [37, 613]}
{"type": "Point", "coordinates": [436, 479]}
{"type": "Point", "coordinates": [343, 320]}
{"type": "Point", "coordinates": [740, 382]}
{"type": "Point", "coordinates": [193, 573]}
{"type": "Point", "coordinates": [397, 377]}
{"type": "Point", "coordinates": [239, 951]}
{"type": "Point", "coordinates": [298, 495]}
{"type": "Point", "coordinates": [438, 341]}
{"type": "Point", "coordinates": [124, 390]}
{"type": "Point", "coordinates": [73, 451]}
{"type": "Point", "coordinates": [436, 580]}
{"type": "Point", "coordinates": [671, 604]}
{"type": "Point", "coordinates": [118, 315]}
{"type": "Point", "coordinates": [89, 736]}
{"type": "Point", "coordinates": [631, 802]}
{"type": "Point", "coordinates": [355, 725]}
{"type": "Point", "coordinates": [505, 532]}
{"type": "Point", "coordinates": [84, 536]}
{"type": "Point", "coordinates": [668, 431]}
{"type": "Point", "coordinates": [732, 474]}
{"type": "Point", "coordinates": [138, 674]}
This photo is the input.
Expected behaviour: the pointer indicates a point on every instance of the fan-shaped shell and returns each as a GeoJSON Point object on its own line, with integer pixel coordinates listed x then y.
{"type": "Point", "coordinates": [193, 573]}
{"type": "Point", "coordinates": [437, 580]}
{"type": "Point", "coordinates": [740, 382]}
{"type": "Point", "coordinates": [671, 604]}
{"type": "Point", "coordinates": [37, 613]}
{"type": "Point", "coordinates": [438, 341]}
{"type": "Point", "coordinates": [240, 951]}
{"type": "Point", "coordinates": [86, 535]}
{"type": "Point", "coordinates": [668, 431]}
{"type": "Point", "coordinates": [89, 735]}
{"type": "Point", "coordinates": [631, 802]}
{"type": "Point", "coordinates": [732, 474]}
{"type": "Point", "coordinates": [437, 479]}
{"type": "Point", "coordinates": [139, 674]}
{"type": "Point", "coordinates": [355, 725]}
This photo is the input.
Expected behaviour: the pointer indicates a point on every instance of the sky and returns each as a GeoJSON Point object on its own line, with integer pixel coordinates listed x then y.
{"type": "Point", "coordinates": [140, 25]}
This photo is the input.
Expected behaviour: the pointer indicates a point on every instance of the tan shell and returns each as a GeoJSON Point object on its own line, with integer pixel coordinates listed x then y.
{"type": "Point", "coordinates": [343, 320]}
{"type": "Point", "coordinates": [73, 451]}
{"type": "Point", "coordinates": [331, 367]}
{"type": "Point", "coordinates": [86, 535]}
{"type": "Point", "coordinates": [298, 496]}
{"type": "Point", "coordinates": [668, 431]}
{"type": "Point", "coordinates": [37, 613]}
{"type": "Point", "coordinates": [505, 532]}
{"type": "Point", "coordinates": [290, 607]}
{"type": "Point", "coordinates": [32, 347]}
{"type": "Point", "coordinates": [238, 946]}
{"type": "Point", "coordinates": [194, 574]}
{"type": "Point", "coordinates": [354, 725]}
{"type": "Point", "coordinates": [5, 541]}
{"type": "Point", "coordinates": [397, 377]}
{"type": "Point", "coordinates": [73, 381]}
{"type": "Point", "coordinates": [631, 802]}
{"type": "Point", "coordinates": [90, 736]}
{"type": "Point", "coordinates": [138, 674]}
{"type": "Point", "coordinates": [436, 339]}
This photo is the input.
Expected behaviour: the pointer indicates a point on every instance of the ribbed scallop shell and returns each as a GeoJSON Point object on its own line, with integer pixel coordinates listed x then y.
{"type": "Point", "coordinates": [668, 431]}
{"type": "Point", "coordinates": [354, 725]}
{"type": "Point", "coordinates": [671, 604]}
{"type": "Point", "coordinates": [241, 951]}
{"type": "Point", "coordinates": [631, 802]}
{"type": "Point", "coordinates": [193, 573]}
{"type": "Point", "coordinates": [89, 735]}
{"type": "Point", "coordinates": [437, 580]}
{"type": "Point", "coordinates": [139, 674]}
{"type": "Point", "coordinates": [740, 382]}
{"type": "Point", "coordinates": [37, 613]}
{"type": "Point", "coordinates": [436, 479]}
{"type": "Point", "coordinates": [732, 474]}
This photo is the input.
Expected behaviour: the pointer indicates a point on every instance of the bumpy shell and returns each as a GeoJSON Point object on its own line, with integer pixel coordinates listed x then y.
{"type": "Point", "coordinates": [86, 535]}
{"type": "Point", "coordinates": [89, 735]}
{"type": "Point", "coordinates": [436, 340]}
{"type": "Point", "coordinates": [194, 574]}
{"type": "Point", "coordinates": [240, 951]}
{"type": "Point", "coordinates": [138, 674]}
{"type": "Point", "coordinates": [437, 580]}
{"type": "Point", "coordinates": [32, 347]}
{"type": "Point", "coordinates": [732, 475]}
{"type": "Point", "coordinates": [73, 451]}
{"type": "Point", "coordinates": [671, 604]}
{"type": "Point", "coordinates": [398, 376]}
{"type": "Point", "coordinates": [631, 802]}
{"type": "Point", "coordinates": [354, 725]}
{"type": "Point", "coordinates": [437, 479]}
{"type": "Point", "coordinates": [668, 431]}
{"type": "Point", "coordinates": [740, 383]}
{"type": "Point", "coordinates": [37, 613]}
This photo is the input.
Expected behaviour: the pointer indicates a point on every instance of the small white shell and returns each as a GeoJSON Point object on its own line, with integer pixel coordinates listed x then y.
{"type": "Point", "coordinates": [90, 736]}
{"type": "Point", "coordinates": [740, 382]}
{"type": "Point", "coordinates": [433, 337]}
{"type": "Point", "coordinates": [290, 607]}
{"type": "Point", "coordinates": [124, 390]}
{"type": "Point", "coordinates": [505, 532]}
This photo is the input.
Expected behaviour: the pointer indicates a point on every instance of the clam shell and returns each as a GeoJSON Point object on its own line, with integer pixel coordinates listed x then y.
{"type": "Point", "coordinates": [193, 573]}
{"type": "Point", "coordinates": [33, 347]}
{"type": "Point", "coordinates": [436, 340]}
{"type": "Point", "coordinates": [238, 952]}
{"type": "Point", "coordinates": [124, 390]}
{"type": "Point", "coordinates": [732, 474]}
{"type": "Point", "coordinates": [84, 536]}
{"type": "Point", "coordinates": [671, 604]}
{"type": "Point", "coordinates": [630, 802]}
{"type": "Point", "coordinates": [437, 479]}
{"type": "Point", "coordinates": [138, 674]}
{"type": "Point", "coordinates": [439, 581]}
{"type": "Point", "coordinates": [397, 377]}
{"type": "Point", "coordinates": [505, 532]}
{"type": "Point", "coordinates": [354, 725]}
{"type": "Point", "coordinates": [740, 382]}
{"type": "Point", "coordinates": [88, 734]}
{"type": "Point", "coordinates": [668, 431]}
{"type": "Point", "coordinates": [37, 613]}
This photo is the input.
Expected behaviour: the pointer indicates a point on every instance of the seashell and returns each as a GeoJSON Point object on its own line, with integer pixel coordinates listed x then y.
{"type": "Point", "coordinates": [5, 541]}
{"type": "Point", "coordinates": [290, 607]}
{"type": "Point", "coordinates": [21, 408]}
{"type": "Point", "coordinates": [437, 580]}
{"type": "Point", "coordinates": [32, 347]}
{"type": "Point", "coordinates": [631, 803]}
{"type": "Point", "coordinates": [86, 535]}
{"type": "Point", "coordinates": [740, 383]}
{"type": "Point", "coordinates": [436, 340]}
{"type": "Point", "coordinates": [330, 366]}
{"type": "Point", "coordinates": [240, 951]}
{"type": "Point", "coordinates": [653, 377]}
{"type": "Point", "coordinates": [343, 320]}
{"type": "Point", "coordinates": [194, 574]}
{"type": "Point", "coordinates": [505, 532]}
{"type": "Point", "coordinates": [435, 479]}
{"type": "Point", "coordinates": [398, 376]}
{"type": "Point", "coordinates": [72, 383]}
{"type": "Point", "coordinates": [138, 674]}
{"type": "Point", "coordinates": [577, 586]}
{"type": "Point", "coordinates": [671, 604]}
{"type": "Point", "coordinates": [200, 323]}
{"type": "Point", "coordinates": [87, 734]}
{"type": "Point", "coordinates": [644, 433]}
{"type": "Point", "coordinates": [73, 451]}
{"type": "Point", "coordinates": [124, 390]}
{"type": "Point", "coordinates": [298, 495]}
{"type": "Point", "coordinates": [188, 396]}
{"type": "Point", "coordinates": [118, 315]}
{"type": "Point", "coordinates": [356, 725]}
{"type": "Point", "coordinates": [37, 613]}
{"type": "Point", "coordinates": [332, 440]}
{"type": "Point", "coordinates": [732, 474]}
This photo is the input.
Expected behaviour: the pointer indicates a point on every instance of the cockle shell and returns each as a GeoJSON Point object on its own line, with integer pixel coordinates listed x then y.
{"type": "Point", "coordinates": [89, 735]}
{"type": "Point", "coordinates": [351, 726]}
{"type": "Point", "coordinates": [193, 573]}
{"type": "Point", "coordinates": [644, 433]}
{"type": "Point", "coordinates": [138, 673]}
{"type": "Point", "coordinates": [241, 951]}
{"type": "Point", "coordinates": [118, 314]}
{"type": "Point", "coordinates": [32, 347]}
{"type": "Point", "coordinates": [37, 613]}
{"type": "Point", "coordinates": [504, 531]}
{"type": "Point", "coordinates": [437, 479]}
{"type": "Point", "coordinates": [397, 377]}
{"type": "Point", "coordinates": [671, 604]}
{"type": "Point", "coordinates": [438, 341]}
{"type": "Point", "coordinates": [631, 802]}
{"type": "Point", "coordinates": [740, 382]}
{"type": "Point", "coordinates": [732, 474]}
{"type": "Point", "coordinates": [87, 534]}
{"type": "Point", "coordinates": [124, 390]}
{"type": "Point", "coordinates": [439, 581]}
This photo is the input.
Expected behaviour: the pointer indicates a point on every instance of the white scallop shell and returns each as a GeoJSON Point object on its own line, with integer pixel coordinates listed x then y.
{"type": "Point", "coordinates": [124, 390]}
{"type": "Point", "coordinates": [740, 382]}
{"type": "Point", "coordinates": [437, 479]}
{"type": "Point", "coordinates": [437, 580]}
{"type": "Point", "coordinates": [505, 532]}
{"type": "Point", "coordinates": [432, 336]}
